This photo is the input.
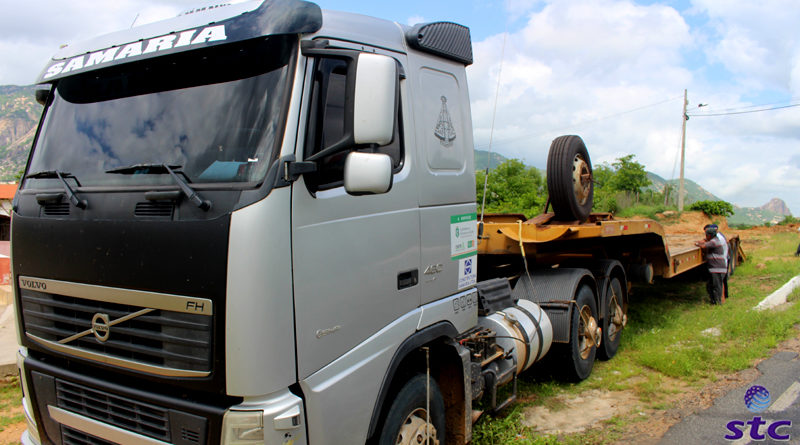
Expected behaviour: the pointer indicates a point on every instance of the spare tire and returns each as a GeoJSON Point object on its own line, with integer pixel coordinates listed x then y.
{"type": "Point", "coordinates": [569, 179]}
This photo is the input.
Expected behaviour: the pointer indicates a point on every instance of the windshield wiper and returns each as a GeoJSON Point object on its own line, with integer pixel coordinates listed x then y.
{"type": "Point", "coordinates": [55, 174]}
{"type": "Point", "coordinates": [160, 169]}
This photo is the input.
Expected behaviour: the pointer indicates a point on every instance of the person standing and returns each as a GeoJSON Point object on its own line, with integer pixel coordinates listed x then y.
{"type": "Point", "coordinates": [797, 253]}
{"type": "Point", "coordinates": [717, 262]}
{"type": "Point", "coordinates": [726, 251]}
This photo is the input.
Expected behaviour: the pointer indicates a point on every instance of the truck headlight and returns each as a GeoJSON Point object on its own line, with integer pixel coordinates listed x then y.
{"type": "Point", "coordinates": [243, 428]}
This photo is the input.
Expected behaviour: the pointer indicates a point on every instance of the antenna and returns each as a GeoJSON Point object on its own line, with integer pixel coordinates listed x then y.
{"type": "Point", "coordinates": [491, 136]}
{"type": "Point", "coordinates": [134, 20]}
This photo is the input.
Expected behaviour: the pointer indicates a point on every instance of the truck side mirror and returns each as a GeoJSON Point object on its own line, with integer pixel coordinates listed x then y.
{"type": "Point", "coordinates": [367, 173]}
{"type": "Point", "coordinates": [375, 103]}
{"type": "Point", "coordinates": [371, 100]}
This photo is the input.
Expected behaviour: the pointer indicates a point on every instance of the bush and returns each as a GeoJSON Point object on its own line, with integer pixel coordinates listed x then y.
{"type": "Point", "coordinates": [720, 208]}
{"type": "Point", "coordinates": [789, 220]}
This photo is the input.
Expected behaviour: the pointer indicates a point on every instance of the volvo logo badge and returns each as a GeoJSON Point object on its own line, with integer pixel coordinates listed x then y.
{"type": "Point", "coordinates": [100, 327]}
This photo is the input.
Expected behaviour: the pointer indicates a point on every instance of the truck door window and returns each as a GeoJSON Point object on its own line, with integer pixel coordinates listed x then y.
{"type": "Point", "coordinates": [326, 126]}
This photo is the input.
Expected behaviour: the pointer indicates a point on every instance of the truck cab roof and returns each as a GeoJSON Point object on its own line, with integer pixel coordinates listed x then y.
{"type": "Point", "coordinates": [222, 24]}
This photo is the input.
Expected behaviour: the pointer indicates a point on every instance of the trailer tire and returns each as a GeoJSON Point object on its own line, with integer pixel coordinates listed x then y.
{"type": "Point", "coordinates": [733, 257]}
{"type": "Point", "coordinates": [613, 321]}
{"type": "Point", "coordinates": [405, 420]}
{"type": "Point", "coordinates": [575, 359]}
{"type": "Point", "coordinates": [569, 179]}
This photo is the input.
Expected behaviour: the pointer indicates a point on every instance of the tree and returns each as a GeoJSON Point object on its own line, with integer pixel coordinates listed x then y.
{"type": "Point", "coordinates": [629, 175]}
{"type": "Point", "coordinates": [604, 192]}
{"type": "Point", "coordinates": [513, 188]}
{"type": "Point", "coordinates": [720, 208]}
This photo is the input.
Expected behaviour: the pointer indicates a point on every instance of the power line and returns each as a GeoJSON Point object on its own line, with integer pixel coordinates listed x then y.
{"type": "Point", "coordinates": [713, 109]}
{"type": "Point", "coordinates": [744, 112]}
{"type": "Point", "coordinates": [571, 126]}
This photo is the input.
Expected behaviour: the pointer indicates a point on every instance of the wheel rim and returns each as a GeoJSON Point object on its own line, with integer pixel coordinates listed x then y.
{"type": "Point", "coordinates": [587, 330]}
{"type": "Point", "coordinates": [581, 179]}
{"type": "Point", "coordinates": [616, 317]}
{"type": "Point", "coordinates": [415, 431]}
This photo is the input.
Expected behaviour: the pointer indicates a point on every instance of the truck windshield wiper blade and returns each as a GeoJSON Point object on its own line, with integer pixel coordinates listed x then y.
{"type": "Point", "coordinates": [55, 174]}
{"type": "Point", "coordinates": [160, 169]}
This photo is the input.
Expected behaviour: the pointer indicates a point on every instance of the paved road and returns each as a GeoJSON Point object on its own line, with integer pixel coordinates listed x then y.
{"type": "Point", "coordinates": [779, 423]}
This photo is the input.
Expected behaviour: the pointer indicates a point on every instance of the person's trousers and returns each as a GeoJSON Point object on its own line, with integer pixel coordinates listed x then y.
{"type": "Point", "coordinates": [716, 288]}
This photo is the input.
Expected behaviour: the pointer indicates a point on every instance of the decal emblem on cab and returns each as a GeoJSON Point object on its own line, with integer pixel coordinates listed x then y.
{"type": "Point", "coordinates": [444, 130]}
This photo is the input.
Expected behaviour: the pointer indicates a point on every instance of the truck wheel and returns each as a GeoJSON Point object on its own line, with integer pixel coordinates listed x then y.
{"type": "Point", "coordinates": [614, 321]}
{"type": "Point", "coordinates": [577, 357]}
{"type": "Point", "coordinates": [569, 179]}
{"type": "Point", "coordinates": [405, 422]}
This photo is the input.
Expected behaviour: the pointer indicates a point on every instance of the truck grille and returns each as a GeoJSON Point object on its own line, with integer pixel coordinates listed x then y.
{"type": "Point", "coordinates": [150, 342]}
{"type": "Point", "coordinates": [74, 437]}
{"type": "Point", "coordinates": [132, 415]}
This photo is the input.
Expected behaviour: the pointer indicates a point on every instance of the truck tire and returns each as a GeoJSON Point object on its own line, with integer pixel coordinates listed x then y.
{"type": "Point", "coordinates": [613, 322]}
{"type": "Point", "coordinates": [569, 179]}
{"type": "Point", "coordinates": [405, 422]}
{"type": "Point", "coordinates": [575, 359]}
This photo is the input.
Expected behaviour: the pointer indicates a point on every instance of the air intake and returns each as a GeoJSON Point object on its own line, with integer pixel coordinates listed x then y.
{"type": "Point", "coordinates": [56, 209]}
{"type": "Point", "coordinates": [154, 209]}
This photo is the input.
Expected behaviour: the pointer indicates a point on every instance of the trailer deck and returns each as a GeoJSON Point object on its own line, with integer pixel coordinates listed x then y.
{"type": "Point", "coordinates": [639, 241]}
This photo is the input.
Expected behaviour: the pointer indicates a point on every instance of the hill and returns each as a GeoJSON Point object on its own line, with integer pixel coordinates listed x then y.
{"type": "Point", "coordinates": [19, 116]}
{"type": "Point", "coordinates": [772, 212]}
{"type": "Point", "coordinates": [694, 192]}
{"type": "Point", "coordinates": [481, 159]}
{"type": "Point", "coordinates": [777, 206]}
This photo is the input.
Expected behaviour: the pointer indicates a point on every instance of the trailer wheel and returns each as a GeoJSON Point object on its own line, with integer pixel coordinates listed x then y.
{"type": "Point", "coordinates": [576, 358]}
{"type": "Point", "coordinates": [733, 249]}
{"type": "Point", "coordinates": [614, 321]}
{"type": "Point", "coordinates": [569, 179]}
{"type": "Point", "coordinates": [405, 422]}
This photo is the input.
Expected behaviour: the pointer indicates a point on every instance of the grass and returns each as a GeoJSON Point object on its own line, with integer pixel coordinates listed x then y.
{"type": "Point", "coordinates": [675, 341]}
{"type": "Point", "coordinates": [10, 408]}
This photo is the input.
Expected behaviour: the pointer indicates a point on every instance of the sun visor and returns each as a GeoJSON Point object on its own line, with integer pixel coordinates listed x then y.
{"type": "Point", "coordinates": [445, 39]}
{"type": "Point", "coordinates": [199, 28]}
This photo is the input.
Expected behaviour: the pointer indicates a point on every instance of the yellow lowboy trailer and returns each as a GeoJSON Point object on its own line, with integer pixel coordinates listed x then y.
{"type": "Point", "coordinates": [641, 244]}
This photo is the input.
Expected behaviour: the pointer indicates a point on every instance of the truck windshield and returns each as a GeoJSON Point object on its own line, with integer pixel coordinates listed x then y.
{"type": "Point", "coordinates": [218, 113]}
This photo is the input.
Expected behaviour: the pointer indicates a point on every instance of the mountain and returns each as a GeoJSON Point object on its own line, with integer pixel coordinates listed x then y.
{"type": "Point", "coordinates": [772, 212]}
{"type": "Point", "coordinates": [694, 192]}
{"type": "Point", "coordinates": [19, 115]}
{"type": "Point", "coordinates": [481, 159]}
{"type": "Point", "coordinates": [777, 206]}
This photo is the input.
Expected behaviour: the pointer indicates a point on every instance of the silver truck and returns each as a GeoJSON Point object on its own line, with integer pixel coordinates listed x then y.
{"type": "Point", "coordinates": [256, 224]}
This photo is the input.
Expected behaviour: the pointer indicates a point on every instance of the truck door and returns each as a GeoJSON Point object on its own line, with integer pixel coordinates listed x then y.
{"type": "Point", "coordinates": [356, 259]}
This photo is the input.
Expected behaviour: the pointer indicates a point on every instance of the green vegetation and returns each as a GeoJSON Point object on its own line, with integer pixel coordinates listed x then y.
{"type": "Point", "coordinates": [713, 208]}
{"type": "Point", "coordinates": [675, 342]}
{"type": "Point", "coordinates": [482, 159]}
{"type": "Point", "coordinates": [10, 406]}
{"type": "Point", "coordinates": [513, 188]}
{"type": "Point", "coordinates": [789, 220]}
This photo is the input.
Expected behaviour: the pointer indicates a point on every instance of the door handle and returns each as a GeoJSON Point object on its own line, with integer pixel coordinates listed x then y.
{"type": "Point", "coordinates": [407, 279]}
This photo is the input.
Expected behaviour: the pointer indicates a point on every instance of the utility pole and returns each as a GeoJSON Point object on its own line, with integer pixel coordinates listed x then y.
{"type": "Point", "coordinates": [685, 118]}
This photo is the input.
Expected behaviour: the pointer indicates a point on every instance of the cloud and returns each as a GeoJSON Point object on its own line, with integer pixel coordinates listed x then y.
{"type": "Point", "coordinates": [757, 41]}
{"type": "Point", "coordinates": [32, 32]}
{"type": "Point", "coordinates": [414, 19]}
{"type": "Point", "coordinates": [573, 65]}
{"type": "Point", "coordinates": [614, 72]}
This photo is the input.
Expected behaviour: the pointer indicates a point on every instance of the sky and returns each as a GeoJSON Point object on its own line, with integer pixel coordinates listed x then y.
{"type": "Point", "coordinates": [612, 71]}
